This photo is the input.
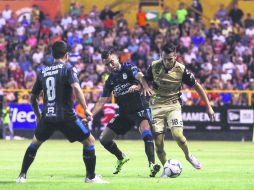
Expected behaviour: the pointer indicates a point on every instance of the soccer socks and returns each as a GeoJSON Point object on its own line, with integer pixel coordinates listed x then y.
{"type": "Point", "coordinates": [149, 145]}
{"type": "Point", "coordinates": [89, 159]}
{"type": "Point", "coordinates": [113, 149]}
{"type": "Point", "coordinates": [29, 157]}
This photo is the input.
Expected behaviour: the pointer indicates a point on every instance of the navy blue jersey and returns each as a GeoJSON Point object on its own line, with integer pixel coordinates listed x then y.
{"type": "Point", "coordinates": [119, 82]}
{"type": "Point", "coordinates": [55, 82]}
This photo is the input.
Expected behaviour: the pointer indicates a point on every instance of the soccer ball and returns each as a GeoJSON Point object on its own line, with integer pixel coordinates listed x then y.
{"type": "Point", "coordinates": [173, 168]}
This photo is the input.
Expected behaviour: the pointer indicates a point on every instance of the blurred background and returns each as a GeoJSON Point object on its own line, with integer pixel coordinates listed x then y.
{"type": "Point", "coordinates": [215, 40]}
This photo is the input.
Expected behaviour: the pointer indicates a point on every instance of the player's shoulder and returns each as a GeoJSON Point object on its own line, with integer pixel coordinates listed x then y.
{"type": "Point", "coordinates": [156, 63]}
{"type": "Point", "coordinates": [69, 67]}
{"type": "Point", "coordinates": [179, 66]}
{"type": "Point", "coordinates": [128, 66]}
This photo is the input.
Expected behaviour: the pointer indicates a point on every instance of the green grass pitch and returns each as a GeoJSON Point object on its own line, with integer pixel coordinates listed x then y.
{"type": "Point", "coordinates": [59, 165]}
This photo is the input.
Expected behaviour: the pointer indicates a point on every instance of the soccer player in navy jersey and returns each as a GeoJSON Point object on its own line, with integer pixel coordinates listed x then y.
{"type": "Point", "coordinates": [126, 82]}
{"type": "Point", "coordinates": [58, 82]}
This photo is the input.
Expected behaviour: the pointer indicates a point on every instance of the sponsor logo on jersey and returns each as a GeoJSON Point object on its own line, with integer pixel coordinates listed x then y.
{"type": "Point", "coordinates": [124, 76]}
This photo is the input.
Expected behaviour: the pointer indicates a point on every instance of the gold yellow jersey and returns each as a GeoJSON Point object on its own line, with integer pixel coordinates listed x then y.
{"type": "Point", "coordinates": [167, 83]}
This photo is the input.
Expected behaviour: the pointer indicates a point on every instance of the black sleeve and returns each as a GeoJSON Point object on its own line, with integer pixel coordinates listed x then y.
{"type": "Point", "coordinates": [108, 88]}
{"type": "Point", "coordinates": [72, 75]}
{"type": "Point", "coordinates": [149, 74]}
{"type": "Point", "coordinates": [188, 78]}
{"type": "Point", "coordinates": [37, 86]}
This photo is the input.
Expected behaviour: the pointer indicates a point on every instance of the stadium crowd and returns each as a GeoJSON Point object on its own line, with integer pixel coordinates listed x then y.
{"type": "Point", "coordinates": [219, 54]}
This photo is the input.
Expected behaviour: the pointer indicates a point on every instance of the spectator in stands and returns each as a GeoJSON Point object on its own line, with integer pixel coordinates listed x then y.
{"type": "Point", "coordinates": [249, 21]}
{"type": "Point", "coordinates": [181, 14]}
{"type": "Point", "coordinates": [197, 9]}
{"type": "Point", "coordinates": [236, 14]}
{"type": "Point", "coordinates": [108, 13]}
{"type": "Point", "coordinates": [2, 21]}
{"type": "Point", "coordinates": [141, 17]}
{"type": "Point", "coordinates": [221, 13]}
{"type": "Point", "coordinates": [7, 12]}
{"type": "Point", "coordinates": [216, 48]}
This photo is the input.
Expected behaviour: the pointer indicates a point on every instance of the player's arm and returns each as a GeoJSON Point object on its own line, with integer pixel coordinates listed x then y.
{"type": "Point", "coordinates": [78, 93]}
{"type": "Point", "coordinates": [74, 82]}
{"type": "Point", "coordinates": [34, 98]}
{"type": "Point", "coordinates": [140, 77]}
{"type": "Point", "coordinates": [99, 104]}
{"type": "Point", "coordinates": [149, 74]}
{"type": "Point", "coordinates": [201, 92]}
{"type": "Point", "coordinates": [35, 106]}
{"type": "Point", "coordinates": [189, 79]}
{"type": "Point", "coordinates": [105, 97]}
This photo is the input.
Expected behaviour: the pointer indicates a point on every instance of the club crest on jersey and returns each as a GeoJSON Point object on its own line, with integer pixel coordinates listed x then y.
{"type": "Point", "coordinates": [124, 76]}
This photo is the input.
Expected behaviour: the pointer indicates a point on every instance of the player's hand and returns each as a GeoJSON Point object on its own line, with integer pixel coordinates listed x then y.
{"type": "Point", "coordinates": [89, 116]}
{"type": "Point", "coordinates": [134, 88]}
{"type": "Point", "coordinates": [210, 113]}
{"type": "Point", "coordinates": [147, 91]}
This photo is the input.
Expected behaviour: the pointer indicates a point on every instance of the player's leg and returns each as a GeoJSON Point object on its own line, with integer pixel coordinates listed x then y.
{"type": "Point", "coordinates": [159, 129]}
{"type": "Point", "coordinates": [116, 126]}
{"type": "Point", "coordinates": [42, 133]}
{"type": "Point", "coordinates": [89, 157]}
{"type": "Point", "coordinates": [145, 131]}
{"type": "Point", "coordinates": [143, 120]}
{"type": "Point", "coordinates": [106, 139]}
{"type": "Point", "coordinates": [146, 134]}
{"type": "Point", "coordinates": [159, 147]}
{"type": "Point", "coordinates": [176, 126]}
{"type": "Point", "coordinates": [28, 159]}
{"type": "Point", "coordinates": [177, 133]}
{"type": "Point", "coordinates": [77, 131]}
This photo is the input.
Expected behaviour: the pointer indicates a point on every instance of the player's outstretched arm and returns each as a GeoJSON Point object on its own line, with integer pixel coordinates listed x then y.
{"type": "Point", "coordinates": [36, 109]}
{"type": "Point", "coordinates": [80, 96]}
{"type": "Point", "coordinates": [99, 105]}
{"type": "Point", "coordinates": [201, 92]}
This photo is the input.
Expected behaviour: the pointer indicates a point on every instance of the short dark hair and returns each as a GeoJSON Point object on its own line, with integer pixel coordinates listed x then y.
{"type": "Point", "coordinates": [106, 53]}
{"type": "Point", "coordinates": [169, 48]}
{"type": "Point", "coordinates": [59, 49]}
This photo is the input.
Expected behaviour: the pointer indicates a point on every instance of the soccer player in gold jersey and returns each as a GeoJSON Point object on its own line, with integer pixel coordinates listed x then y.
{"type": "Point", "coordinates": [167, 76]}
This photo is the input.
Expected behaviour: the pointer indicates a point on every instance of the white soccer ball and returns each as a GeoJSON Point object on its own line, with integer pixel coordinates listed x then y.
{"type": "Point", "coordinates": [173, 168]}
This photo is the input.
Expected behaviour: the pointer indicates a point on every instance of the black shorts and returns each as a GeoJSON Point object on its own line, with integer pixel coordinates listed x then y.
{"type": "Point", "coordinates": [73, 130]}
{"type": "Point", "coordinates": [122, 123]}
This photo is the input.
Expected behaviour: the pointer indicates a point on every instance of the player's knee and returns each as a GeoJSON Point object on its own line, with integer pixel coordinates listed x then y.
{"type": "Point", "coordinates": [103, 140]}
{"type": "Point", "coordinates": [89, 141]}
{"type": "Point", "coordinates": [36, 143]}
{"type": "Point", "coordinates": [178, 135]}
{"type": "Point", "coordinates": [92, 139]}
{"type": "Point", "coordinates": [144, 126]}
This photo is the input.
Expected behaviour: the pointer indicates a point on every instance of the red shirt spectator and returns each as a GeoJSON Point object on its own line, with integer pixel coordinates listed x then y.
{"type": "Point", "coordinates": [18, 76]}
{"type": "Point", "coordinates": [108, 23]}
